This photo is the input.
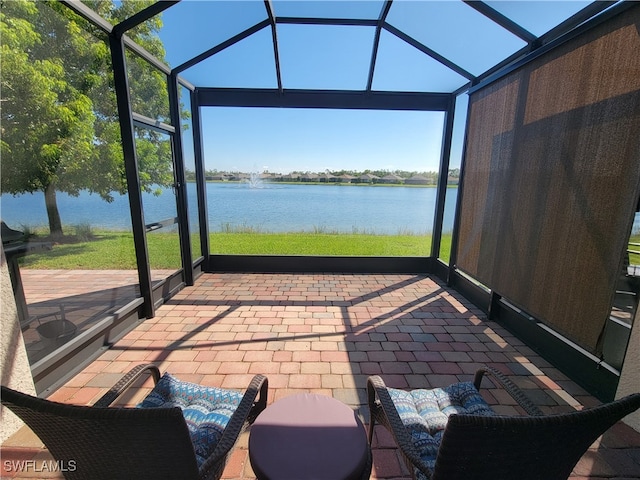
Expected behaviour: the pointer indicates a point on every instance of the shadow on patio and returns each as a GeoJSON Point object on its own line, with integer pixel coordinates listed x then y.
{"type": "Point", "coordinates": [326, 333]}
{"type": "Point", "coordinates": [81, 297]}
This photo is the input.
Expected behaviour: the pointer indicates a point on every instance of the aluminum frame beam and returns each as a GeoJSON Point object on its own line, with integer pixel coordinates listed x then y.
{"type": "Point", "coordinates": [274, 39]}
{"type": "Point", "coordinates": [432, 53]}
{"type": "Point", "coordinates": [376, 42]}
{"type": "Point", "coordinates": [505, 22]}
{"type": "Point", "coordinates": [331, 99]}
{"type": "Point", "coordinates": [142, 16]}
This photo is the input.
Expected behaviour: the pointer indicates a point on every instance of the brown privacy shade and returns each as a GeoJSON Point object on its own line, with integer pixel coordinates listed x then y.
{"type": "Point", "coordinates": [552, 179]}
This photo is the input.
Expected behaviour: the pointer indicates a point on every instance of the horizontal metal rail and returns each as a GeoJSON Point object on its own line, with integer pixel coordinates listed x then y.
{"type": "Point", "coordinates": [150, 227]}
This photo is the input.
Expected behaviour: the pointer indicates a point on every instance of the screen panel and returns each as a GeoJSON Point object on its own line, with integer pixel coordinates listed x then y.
{"type": "Point", "coordinates": [552, 179]}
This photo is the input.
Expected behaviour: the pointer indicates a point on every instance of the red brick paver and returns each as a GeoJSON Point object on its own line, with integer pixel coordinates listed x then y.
{"type": "Point", "coordinates": [326, 334]}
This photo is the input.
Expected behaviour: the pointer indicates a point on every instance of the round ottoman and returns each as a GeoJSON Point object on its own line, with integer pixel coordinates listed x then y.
{"type": "Point", "coordinates": [309, 437]}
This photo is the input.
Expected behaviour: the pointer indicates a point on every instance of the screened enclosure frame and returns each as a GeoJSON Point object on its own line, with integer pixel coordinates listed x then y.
{"type": "Point", "coordinates": [294, 98]}
{"type": "Point", "coordinates": [193, 264]}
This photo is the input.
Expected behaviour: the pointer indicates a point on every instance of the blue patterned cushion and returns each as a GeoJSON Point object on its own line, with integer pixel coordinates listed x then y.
{"type": "Point", "coordinates": [425, 414]}
{"type": "Point", "coordinates": [206, 410]}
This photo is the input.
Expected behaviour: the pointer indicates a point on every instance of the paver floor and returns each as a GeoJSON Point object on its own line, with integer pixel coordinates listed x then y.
{"type": "Point", "coordinates": [326, 334]}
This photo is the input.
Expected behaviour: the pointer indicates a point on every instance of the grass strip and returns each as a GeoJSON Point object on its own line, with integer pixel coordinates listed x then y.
{"type": "Point", "coordinates": [114, 250]}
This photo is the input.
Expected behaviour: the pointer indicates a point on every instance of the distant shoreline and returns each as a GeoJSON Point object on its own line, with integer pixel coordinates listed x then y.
{"type": "Point", "coordinates": [336, 184]}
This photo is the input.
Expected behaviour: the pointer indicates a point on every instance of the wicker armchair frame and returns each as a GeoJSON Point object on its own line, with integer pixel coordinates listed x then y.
{"type": "Point", "coordinates": [102, 442]}
{"type": "Point", "coordinates": [529, 447]}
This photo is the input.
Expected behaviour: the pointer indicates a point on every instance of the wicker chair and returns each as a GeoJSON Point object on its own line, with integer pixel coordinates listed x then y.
{"type": "Point", "coordinates": [483, 445]}
{"type": "Point", "coordinates": [102, 442]}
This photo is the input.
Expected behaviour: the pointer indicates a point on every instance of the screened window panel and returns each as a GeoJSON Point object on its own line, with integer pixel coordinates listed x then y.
{"type": "Point", "coordinates": [147, 88]}
{"type": "Point", "coordinates": [188, 153]}
{"type": "Point", "coordinates": [339, 56]}
{"type": "Point", "coordinates": [250, 63]}
{"type": "Point", "coordinates": [552, 179]}
{"type": "Point", "coordinates": [537, 17]}
{"type": "Point", "coordinates": [402, 67]}
{"type": "Point", "coordinates": [359, 9]}
{"type": "Point", "coordinates": [455, 31]}
{"type": "Point", "coordinates": [60, 129]}
{"type": "Point", "coordinates": [201, 25]}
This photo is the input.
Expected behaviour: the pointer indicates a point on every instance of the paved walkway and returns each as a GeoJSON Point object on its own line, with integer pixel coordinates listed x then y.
{"type": "Point", "coordinates": [327, 334]}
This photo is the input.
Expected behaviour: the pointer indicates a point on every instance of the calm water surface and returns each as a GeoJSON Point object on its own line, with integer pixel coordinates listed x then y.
{"type": "Point", "coordinates": [271, 208]}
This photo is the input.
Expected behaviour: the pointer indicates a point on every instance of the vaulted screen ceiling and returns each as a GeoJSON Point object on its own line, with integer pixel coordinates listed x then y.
{"type": "Point", "coordinates": [401, 45]}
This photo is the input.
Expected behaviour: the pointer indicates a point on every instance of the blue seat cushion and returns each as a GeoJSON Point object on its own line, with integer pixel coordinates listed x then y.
{"type": "Point", "coordinates": [206, 410]}
{"type": "Point", "coordinates": [425, 412]}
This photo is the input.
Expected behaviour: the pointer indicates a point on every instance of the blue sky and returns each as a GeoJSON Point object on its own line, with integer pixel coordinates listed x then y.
{"type": "Point", "coordinates": [337, 57]}
{"type": "Point", "coordinates": [283, 140]}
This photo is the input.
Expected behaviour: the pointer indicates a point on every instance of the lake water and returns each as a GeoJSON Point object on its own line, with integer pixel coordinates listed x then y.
{"type": "Point", "coordinates": [271, 208]}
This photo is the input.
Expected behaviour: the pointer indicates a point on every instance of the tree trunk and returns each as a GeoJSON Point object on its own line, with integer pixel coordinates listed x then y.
{"type": "Point", "coordinates": [55, 224]}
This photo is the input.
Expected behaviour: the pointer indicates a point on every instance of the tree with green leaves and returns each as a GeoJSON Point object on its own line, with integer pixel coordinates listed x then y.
{"type": "Point", "coordinates": [59, 130]}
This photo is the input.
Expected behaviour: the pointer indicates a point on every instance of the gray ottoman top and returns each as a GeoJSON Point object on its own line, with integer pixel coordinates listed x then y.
{"type": "Point", "coordinates": [308, 437]}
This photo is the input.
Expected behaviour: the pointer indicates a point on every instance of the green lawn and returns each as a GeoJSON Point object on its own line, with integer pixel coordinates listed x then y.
{"type": "Point", "coordinates": [320, 244]}
{"type": "Point", "coordinates": [114, 250]}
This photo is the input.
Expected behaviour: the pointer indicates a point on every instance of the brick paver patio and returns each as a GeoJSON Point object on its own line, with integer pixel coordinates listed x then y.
{"type": "Point", "coordinates": [326, 334]}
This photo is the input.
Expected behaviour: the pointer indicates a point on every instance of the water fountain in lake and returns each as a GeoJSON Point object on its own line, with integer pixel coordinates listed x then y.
{"type": "Point", "coordinates": [255, 181]}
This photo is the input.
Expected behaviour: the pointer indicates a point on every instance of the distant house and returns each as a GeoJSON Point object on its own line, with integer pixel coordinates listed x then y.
{"type": "Point", "coordinates": [309, 177]}
{"type": "Point", "coordinates": [345, 178]}
{"type": "Point", "coordinates": [418, 180]}
{"type": "Point", "coordinates": [453, 180]}
{"type": "Point", "coordinates": [327, 178]}
{"type": "Point", "coordinates": [391, 178]}
{"type": "Point", "coordinates": [217, 178]}
{"type": "Point", "coordinates": [368, 178]}
{"type": "Point", "coordinates": [290, 177]}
